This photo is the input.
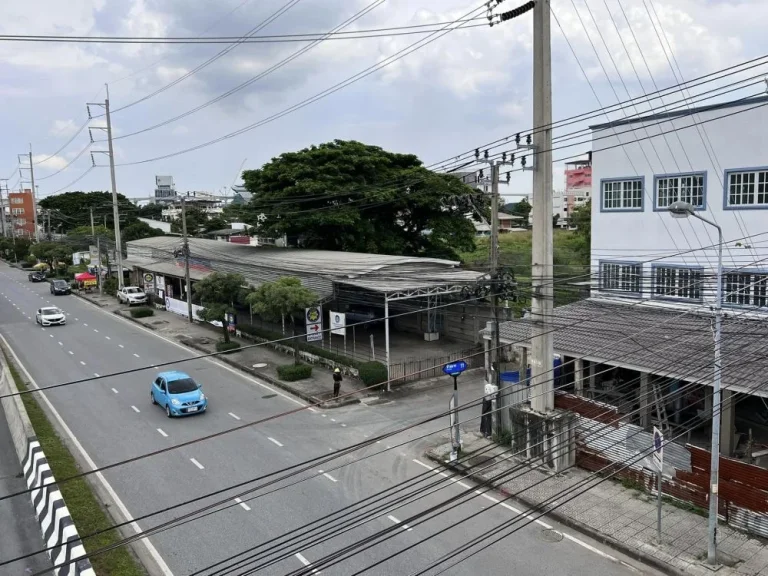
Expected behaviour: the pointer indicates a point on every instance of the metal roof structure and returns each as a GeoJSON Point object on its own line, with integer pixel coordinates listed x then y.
{"type": "Point", "coordinates": [317, 269]}
{"type": "Point", "coordinates": [662, 341]}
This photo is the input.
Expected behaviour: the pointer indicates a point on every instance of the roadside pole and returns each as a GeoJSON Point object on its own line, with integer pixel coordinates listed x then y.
{"type": "Point", "coordinates": [186, 259]}
{"type": "Point", "coordinates": [454, 369]}
{"type": "Point", "coordinates": [658, 460]}
{"type": "Point", "coordinates": [93, 228]}
{"type": "Point", "coordinates": [98, 270]}
{"type": "Point", "coordinates": [34, 194]}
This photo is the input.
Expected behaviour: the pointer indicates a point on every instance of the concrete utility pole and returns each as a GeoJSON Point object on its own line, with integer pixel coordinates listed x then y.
{"type": "Point", "coordinates": [115, 212]}
{"type": "Point", "coordinates": [2, 206]}
{"type": "Point", "coordinates": [186, 258]}
{"type": "Point", "coordinates": [49, 236]}
{"type": "Point", "coordinates": [93, 228]}
{"type": "Point", "coordinates": [542, 305]}
{"type": "Point", "coordinates": [34, 193]}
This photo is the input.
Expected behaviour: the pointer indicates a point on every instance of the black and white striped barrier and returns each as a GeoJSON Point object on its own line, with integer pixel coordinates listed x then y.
{"type": "Point", "coordinates": [59, 532]}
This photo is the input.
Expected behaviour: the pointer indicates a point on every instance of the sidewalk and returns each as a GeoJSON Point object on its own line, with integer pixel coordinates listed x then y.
{"type": "Point", "coordinates": [619, 516]}
{"type": "Point", "coordinates": [259, 361]}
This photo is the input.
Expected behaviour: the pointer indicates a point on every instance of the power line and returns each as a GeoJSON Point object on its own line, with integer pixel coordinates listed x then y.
{"type": "Point", "coordinates": [68, 164]}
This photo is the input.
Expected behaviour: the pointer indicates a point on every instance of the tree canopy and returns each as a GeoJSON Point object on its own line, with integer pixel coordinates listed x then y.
{"type": "Point", "coordinates": [283, 297]}
{"type": "Point", "coordinates": [345, 195]}
{"type": "Point", "coordinates": [73, 209]}
{"type": "Point", "coordinates": [218, 293]}
{"type": "Point", "coordinates": [139, 230]}
{"type": "Point", "coordinates": [198, 222]}
{"type": "Point", "coordinates": [17, 249]}
{"type": "Point", "coordinates": [52, 253]}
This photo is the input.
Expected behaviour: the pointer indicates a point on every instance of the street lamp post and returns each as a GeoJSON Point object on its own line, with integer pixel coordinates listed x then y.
{"type": "Point", "coordinates": [684, 210]}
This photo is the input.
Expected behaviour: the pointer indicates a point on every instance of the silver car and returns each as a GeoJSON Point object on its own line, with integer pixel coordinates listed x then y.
{"type": "Point", "coordinates": [50, 316]}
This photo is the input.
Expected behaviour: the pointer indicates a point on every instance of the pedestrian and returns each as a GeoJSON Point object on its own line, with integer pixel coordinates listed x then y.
{"type": "Point", "coordinates": [486, 419]}
{"type": "Point", "coordinates": [336, 382]}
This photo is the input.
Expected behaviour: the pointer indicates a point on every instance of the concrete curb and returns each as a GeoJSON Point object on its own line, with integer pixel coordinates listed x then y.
{"type": "Point", "coordinates": [88, 300]}
{"type": "Point", "coordinates": [566, 520]}
{"type": "Point", "coordinates": [56, 525]}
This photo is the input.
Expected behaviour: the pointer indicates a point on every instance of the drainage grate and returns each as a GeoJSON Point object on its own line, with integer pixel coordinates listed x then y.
{"type": "Point", "coordinates": [550, 535]}
{"type": "Point", "coordinates": [270, 396]}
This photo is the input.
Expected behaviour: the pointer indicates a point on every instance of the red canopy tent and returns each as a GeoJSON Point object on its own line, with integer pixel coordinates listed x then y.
{"type": "Point", "coordinates": [86, 279]}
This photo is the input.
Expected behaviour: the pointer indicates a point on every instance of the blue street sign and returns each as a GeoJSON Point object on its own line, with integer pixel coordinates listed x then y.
{"type": "Point", "coordinates": [455, 368]}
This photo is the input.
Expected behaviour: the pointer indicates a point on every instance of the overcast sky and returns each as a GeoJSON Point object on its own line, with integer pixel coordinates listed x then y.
{"type": "Point", "coordinates": [463, 90]}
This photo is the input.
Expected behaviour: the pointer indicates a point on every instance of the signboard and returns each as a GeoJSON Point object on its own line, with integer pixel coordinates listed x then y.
{"type": "Point", "coordinates": [658, 449]}
{"type": "Point", "coordinates": [149, 282]}
{"type": "Point", "coordinates": [338, 323]}
{"type": "Point", "coordinates": [313, 318]}
{"type": "Point", "coordinates": [455, 368]}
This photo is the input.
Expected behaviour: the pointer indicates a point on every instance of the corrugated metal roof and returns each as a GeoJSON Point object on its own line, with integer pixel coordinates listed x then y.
{"type": "Point", "coordinates": [664, 342]}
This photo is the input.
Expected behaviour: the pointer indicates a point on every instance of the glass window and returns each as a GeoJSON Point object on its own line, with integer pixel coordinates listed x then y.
{"type": "Point", "coordinates": [748, 188]}
{"type": "Point", "coordinates": [746, 289]}
{"type": "Point", "coordinates": [673, 282]}
{"type": "Point", "coordinates": [621, 277]}
{"type": "Point", "coordinates": [623, 194]}
{"type": "Point", "coordinates": [689, 188]}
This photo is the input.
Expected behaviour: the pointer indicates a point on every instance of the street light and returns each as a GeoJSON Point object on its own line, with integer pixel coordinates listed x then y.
{"type": "Point", "coordinates": [684, 210]}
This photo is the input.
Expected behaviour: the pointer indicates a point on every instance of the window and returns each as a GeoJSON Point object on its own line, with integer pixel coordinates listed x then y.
{"type": "Point", "coordinates": [685, 188]}
{"type": "Point", "coordinates": [21, 221]}
{"type": "Point", "coordinates": [623, 194]}
{"type": "Point", "coordinates": [746, 288]}
{"type": "Point", "coordinates": [17, 211]}
{"type": "Point", "coordinates": [622, 277]}
{"type": "Point", "coordinates": [747, 188]}
{"type": "Point", "coordinates": [673, 282]}
{"type": "Point", "coordinates": [17, 200]}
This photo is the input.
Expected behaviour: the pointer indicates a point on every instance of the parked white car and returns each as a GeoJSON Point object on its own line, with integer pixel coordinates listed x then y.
{"type": "Point", "coordinates": [131, 295]}
{"type": "Point", "coordinates": [50, 316]}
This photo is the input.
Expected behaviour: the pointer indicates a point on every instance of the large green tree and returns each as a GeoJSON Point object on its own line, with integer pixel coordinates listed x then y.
{"type": "Point", "coordinates": [139, 230]}
{"type": "Point", "coordinates": [73, 209]}
{"type": "Point", "coordinates": [218, 293]}
{"type": "Point", "coordinates": [284, 297]}
{"type": "Point", "coordinates": [52, 253]}
{"type": "Point", "coordinates": [345, 195]}
{"type": "Point", "coordinates": [198, 222]}
{"type": "Point", "coordinates": [15, 249]}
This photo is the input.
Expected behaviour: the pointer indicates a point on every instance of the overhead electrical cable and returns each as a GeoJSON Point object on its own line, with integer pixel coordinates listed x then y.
{"type": "Point", "coordinates": [68, 164]}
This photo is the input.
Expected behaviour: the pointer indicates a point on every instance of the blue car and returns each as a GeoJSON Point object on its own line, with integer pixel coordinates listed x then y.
{"type": "Point", "coordinates": [178, 394]}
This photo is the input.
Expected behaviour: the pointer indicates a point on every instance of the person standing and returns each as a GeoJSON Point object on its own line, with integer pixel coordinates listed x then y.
{"type": "Point", "coordinates": [336, 382]}
{"type": "Point", "coordinates": [486, 419]}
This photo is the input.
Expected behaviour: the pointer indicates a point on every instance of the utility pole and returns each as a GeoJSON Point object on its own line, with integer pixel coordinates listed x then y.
{"type": "Point", "coordinates": [2, 206]}
{"type": "Point", "coordinates": [98, 270]}
{"type": "Point", "coordinates": [49, 236]}
{"type": "Point", "coordinates": [186, 258]}
{"type": "Point", "coordinates": [93, 228]}
{"type": "Point", "coordinates": [115, 212]}
{"type": "Point", "coordinates": [542, 353]}
{"type": "Point", "coordinates": [34, 193]}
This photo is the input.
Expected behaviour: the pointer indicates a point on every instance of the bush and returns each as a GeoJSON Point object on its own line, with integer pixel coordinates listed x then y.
{"type": "Point", "coordinates": [293, 372]}
{"type": "Point", "coordinates": [31, 260]}
{"type": "Point", "coordinates": [141, 312]}
{"type": "Point", "coordinates": [110, 286]}
{"type": "Point", "coordinates": [372, 373]}
{"type": "Point", "coordinates": [222, 346]}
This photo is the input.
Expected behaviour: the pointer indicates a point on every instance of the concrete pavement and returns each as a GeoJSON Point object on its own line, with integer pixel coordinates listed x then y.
{"type": "Point", "coordinates": [112, 420]}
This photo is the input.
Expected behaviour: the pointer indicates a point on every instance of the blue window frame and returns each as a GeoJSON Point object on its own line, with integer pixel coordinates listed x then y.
{"type": "Point", "coordinates": [689, 187]}
{"type": "Point", "coordinates": [625, 277]}
{"type": "Point", "coordinates": [746, 189]}
{"type": "Point", "coordinates": [746, 288]}
{"type": "Point", "coordinates": [677, 282]}
{"type": "Point", "coordinates": [622, 194]}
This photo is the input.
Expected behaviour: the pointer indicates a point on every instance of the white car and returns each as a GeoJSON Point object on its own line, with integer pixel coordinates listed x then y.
{"type": "Point", "coordinates": [131, 295]}
{"type": "Point", "coordinates": [50, 316]}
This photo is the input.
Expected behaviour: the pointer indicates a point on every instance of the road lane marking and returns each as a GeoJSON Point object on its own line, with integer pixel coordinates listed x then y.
{"type": "Point", "coordinates": [163, 567]}
{"type": "Point", "coordinates": [84, 324]}
{"type": "Point", "coordinates": [275, 442]}
{"type": "Point", "coordinates": [306, 562]}
{"type": "Point", "coordinates": [343, 425]}
{"type": "Point", "coordinates": [311, 409]}
{"type": "Point", "coordinates": [71, 353]}
{"type": "Point", "coordinates": [333, 419]}
{"type": "Point", "coordinates": [243, 504]}
{"type": "Point", "coordinates": [51, 335]}
{"type": "Point", "coordinates": [163, 434]}
{"type": "Point", "coordinates": [137, 356]}
{"type": "Point", "coordinates": [81, 362]}
{"type": "Point", "coordinates": [107, 337]}
{"type": "Point", "coordinates": [95, 330]}
{"type": "Point", "coordinates": [96, 374]}
{"type": "Point", "coordinates": [331, 478]}
{"type": "Point", "coordinates": [235, 416]}
{"type": "Point", "coordinates": [121, 346]}
{"type": "Point", "coordinates": [396, 521]}
{"type": "Point", "coordinates": [196, 463]}
{"type": "Point", "coordinates": [135, 409]}
{"type": "Point", "coordinates": [61, 344]}
{"type": "Point", "coordinates": [115, 391]}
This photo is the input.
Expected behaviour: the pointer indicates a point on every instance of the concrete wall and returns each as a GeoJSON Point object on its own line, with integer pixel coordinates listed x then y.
{"type": "Point", "coordinates": [725, 139]}
{"type": "Point", "coordinates": [56, 525]}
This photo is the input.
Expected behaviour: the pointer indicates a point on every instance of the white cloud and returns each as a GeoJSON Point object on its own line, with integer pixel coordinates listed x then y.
{"type": "Point", "coordinates": [52, 164]}
{"type": "Point", "coordinates": [64, 128]}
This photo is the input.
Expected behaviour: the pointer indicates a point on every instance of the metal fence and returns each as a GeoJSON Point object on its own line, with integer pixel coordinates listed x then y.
{"type": "Point", "coordinates": [420, 368]}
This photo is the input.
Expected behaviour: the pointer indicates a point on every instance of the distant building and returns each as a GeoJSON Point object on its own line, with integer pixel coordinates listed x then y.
{"type": "Point", "coordinates": [578, 185]}
{"type": "Point", "coordinates": [240, 195]}
{"type": "Point", "coordinates": [558, 208]}
{"type": "Point", "coordinates": [165, 189]}
{"type": "Point", "coordinates": [22, 207]}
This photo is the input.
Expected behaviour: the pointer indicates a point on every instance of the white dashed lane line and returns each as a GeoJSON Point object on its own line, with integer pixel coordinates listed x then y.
{"type": "Point", "coordinates": [96, 374]}
{"type": "Point", "coordinates": [235, 416]}
{"type": "Point", "coordinates": [137, 356]}
{"type": "Point", "coordinates": [107, 337]}
{"type": "Point", "coordinates": [331, 478]}
{"type": "Point", "coordinates": [135, 409]}
{"type": "Point", "coordinates": [306, 562]}
{"type": "Point", "coordinates": [81, 362]}
{"type": "Point", "coordinates": [243, 505]}
{"type": "Point", "coordinates": [275, 442]}
{"type": "Point", "coordinates": [163, 434]}
{"type": "Point", "coordinates": [196, 463]}
{"type": "Point", "coordinates": [95, 330]}
{"type": "Point", "coordinates": [61, 344]}
{"type": "Point", "coordinates": [396, 521]}
{"type": "Point", "coordinates": [121, 346]}
{"type": "Point", "coordinates": [115, 391]}
{"type": "Point", "coordinates": [70, 352]}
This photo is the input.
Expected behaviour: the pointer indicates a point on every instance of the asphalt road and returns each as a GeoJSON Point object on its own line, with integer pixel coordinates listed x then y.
{"type": "Point", "coordinates": [113, 420]}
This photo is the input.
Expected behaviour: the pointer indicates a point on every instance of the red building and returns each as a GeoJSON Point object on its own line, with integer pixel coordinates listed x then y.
{"type": "Point", "coordinates": [22, 211]}
{"type": "Point", "coordinates": [578, 183]}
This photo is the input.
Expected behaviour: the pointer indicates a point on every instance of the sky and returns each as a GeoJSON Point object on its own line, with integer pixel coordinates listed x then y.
{"type": "Point", "coordinates": [465, 89]}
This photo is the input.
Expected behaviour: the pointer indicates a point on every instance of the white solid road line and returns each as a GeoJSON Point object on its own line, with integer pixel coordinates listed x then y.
{"type": "Point", "coordinates": [242, 504]}
{"type": "Point", "coordinates": [275, 442]}
{"type": "Point", "coordinates": [71, 353]}
{"type": "Point", "coordinates": [196, 463]}
{"type": "Point", "coordinates": [306, 562]}
{"type": "Point", "coordinates": [331, 478]}
{"type": "Point", "coordinates": [151, 550]}
{"type": "Point", "coordinates": [528, 516]}
{"type": "Point", "coordinates": [137, 356]}
{"type": "Point", "coordinates": [81, 362]}
{"type": "Point", "coordinates": [115, 391]}
{"type": "Point", "coordinates": [396, 521]}
{"type": "Point", "coordinates": [135, 409]}
{"type": "Point", "coordinates": [235, 416]}
{"type": "Point", "coordinates": [162, 433]}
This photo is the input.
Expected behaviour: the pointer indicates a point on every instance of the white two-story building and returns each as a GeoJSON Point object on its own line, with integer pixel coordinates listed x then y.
{"type": "Point", "coordinates": [643, 341]}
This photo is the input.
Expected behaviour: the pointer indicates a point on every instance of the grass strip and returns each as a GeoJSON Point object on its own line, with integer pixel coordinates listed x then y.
{"type": "Point", "coordinates": [87, 513]}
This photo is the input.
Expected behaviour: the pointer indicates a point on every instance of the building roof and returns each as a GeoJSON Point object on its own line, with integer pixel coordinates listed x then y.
{"type": "Point", "coordinates": [662, 341]}
{"type": "Point", "coordinates": [317, 269]}
{"type": "Point", "coordinates": [682, 113]}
